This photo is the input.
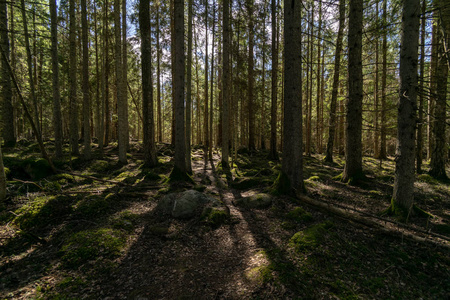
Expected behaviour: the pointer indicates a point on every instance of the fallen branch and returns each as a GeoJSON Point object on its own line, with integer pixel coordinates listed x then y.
{"type": "Point", "coordinates": [331, 208]}
{"type": "Point", "coordinates": [95, 178]}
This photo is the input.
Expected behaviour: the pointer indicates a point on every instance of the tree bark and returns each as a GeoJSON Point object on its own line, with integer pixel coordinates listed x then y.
{"type": "Point", "coordinates": [403, 195]}
{"type": "Point", "coordinates": [158, 76]}
{"type": "Point", "coordinates": [226, 83]}
{"type": "Point", "coordinates": [73, 116]}
{"type": "Point", "coordinates": [178, 62]}
{"type": "Point", "coordinates": [150, 159]}
{"type": "Point", "coordinates": [86, 95]}
{"type": "Point", "coordinates": [273, 154]}
{"type": "Point", "coordinates": [438, 157]}
{"type": "Point", "coordinates": [124, 124]}
{"type": "Point", "coordinates": [8, 131]}
{"type": "Point", "coordinates": [353, 145]}
{"type": "Point", "coordinates": [382, 152]}
{"type": "Point", "coordinates": [120, 89]}
{"type": "Point", "coordinates": [205, 107]}
{"type": "Point", "coordinates": [292, 162]}
{"type": "Point", "coordinates": [31, 79]}
{"type": "Point", "coordinates": [189, 90]}
{"type": "Point", "coordinates": [250, 78]}
{"type": "Point", "coordinates": [335, 89]}
{"type": "Point", "coordinates": [419, 150]}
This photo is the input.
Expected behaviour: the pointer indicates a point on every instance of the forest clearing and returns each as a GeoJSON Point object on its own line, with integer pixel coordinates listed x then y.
{"type": "Point", "coordinates": [68, 237]}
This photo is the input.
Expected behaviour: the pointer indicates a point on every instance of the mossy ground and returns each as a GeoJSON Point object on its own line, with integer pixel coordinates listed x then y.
{"type": "Point", "coordinates": [66, 237]}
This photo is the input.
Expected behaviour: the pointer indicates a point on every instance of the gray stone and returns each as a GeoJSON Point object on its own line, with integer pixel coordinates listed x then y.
{"type": "Point", "coordinates": [186, 204]}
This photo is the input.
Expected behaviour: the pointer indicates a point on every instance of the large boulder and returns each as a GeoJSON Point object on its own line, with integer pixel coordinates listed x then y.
{"type": "Point", "coordinates": [186, 204]}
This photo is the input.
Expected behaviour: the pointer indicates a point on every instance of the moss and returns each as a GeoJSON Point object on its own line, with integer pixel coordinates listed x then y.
{"type": "Point", "coordinates": [126, 220]}
{"type": "Point", "coordinates": [215, 216]}
{"type": "Point", "coordinates": [42, 211]}
{"type": "Point", "coordinates": [260, 274]}
{"type": "Point", "coordinates": [282, 185]}
{"type": "Point", "coordinates": [63, 178]}
{"type": "Point", "coordinates": [127, 177]}
{"type": "Point", "coordinates": [427, 178]}
{"type": "Point", "coordinates": [100, 166]}
{"type": "Point", "coordinates": [92, 205]}
{"type": "Point", "coordinates": [89, 245]}
{"type": "Point", "coordinates": [288, 225]}
{"type": "Point", "coordinates": [37, 168]}
{"type": "Point", "coordinates": [313, 178]}
{"type": "Point", "coordinates": [310, 237]}
{"type": "Point", "coordinates": [298, 214]}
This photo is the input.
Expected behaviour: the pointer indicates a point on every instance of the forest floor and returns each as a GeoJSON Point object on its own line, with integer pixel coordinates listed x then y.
{"type": "Point", "coordinates": [86, 237]}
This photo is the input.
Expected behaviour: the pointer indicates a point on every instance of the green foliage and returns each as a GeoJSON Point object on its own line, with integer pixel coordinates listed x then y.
{"type": "Point", "coordinates": [89, 245]}
{"type": "Point", "coordinates": [298, 214]}
{"type": "Point", "coordinates": [42, 211]}
{"type": "Point", "coordinates": [310, 237]}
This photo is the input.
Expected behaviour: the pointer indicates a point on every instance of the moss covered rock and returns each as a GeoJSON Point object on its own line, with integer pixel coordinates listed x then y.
{"type": "Point", "coordinates": [216, 215]}
{"type": "Point", "coordinates": [255, 201]}
{"type": "Point", "coordinates": [186, 204]}
{"type": "Point", "coordinates": [310, 237]}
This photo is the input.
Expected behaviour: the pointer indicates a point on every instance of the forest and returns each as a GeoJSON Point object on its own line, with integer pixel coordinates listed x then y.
{"type": "Point", "coordinates": [224, 149]}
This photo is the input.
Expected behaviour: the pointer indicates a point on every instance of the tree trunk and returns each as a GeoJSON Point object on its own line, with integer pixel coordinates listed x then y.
{"type": "Point", "coordinates": [432, 87]}
{"type": "Point", "coordinates": [292, 163]}
{"type": "Point", "coordinates": [403, 196]}
{"type": "Point", "coordinates": [178, 62]}
{"type": "Point", "coordinates": [189, 90]}
{"type": "Point", "coordinates": [319, 80]}
{"type": "Point", "coordinates": [30, 68]}
{"type": "Point", "coordinates": [251, 78]}
{"type": "Point", "coordinates": [124, 106]}
{"type": "Point", "coordinates": [99, 86]}
{"type": "Point", "coordinates": [382, 152]}
{"type": "Point", "coordinates": [150, 159]}
{"type": "Point", "coordinates": [375, 91]}
{"type": "Point", "coordinates": [206, 111]}
{"type": "Point", "coordinates": [73, 116]}
{"type": "Point", "coordinates": [120, 89]}
{"type": "Point", "coordinates": [419, 144]}
{"type": "Point", "coordinates": [273, 154]}
{"type": "Point", "coordinates": [86, 95]}
{"type": "Point", "coordinates": [158, 76]}
{"type": "Point", "coordinates": [353, 145]}
{"type": "Point", "coordinates": [211, 114]}
{"type": "Point", "coordinates": [438, 157]}
{"type": "Point", "coordinates": [226, 83]}
{"type": "Point", "coordinates": [335, 89]}
{"type": "Point", "coordinates": [8, 131]}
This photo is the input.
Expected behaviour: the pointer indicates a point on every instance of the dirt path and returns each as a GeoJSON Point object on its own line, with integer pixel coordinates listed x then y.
{"type": "Point", "coordinates": [191, 262]}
